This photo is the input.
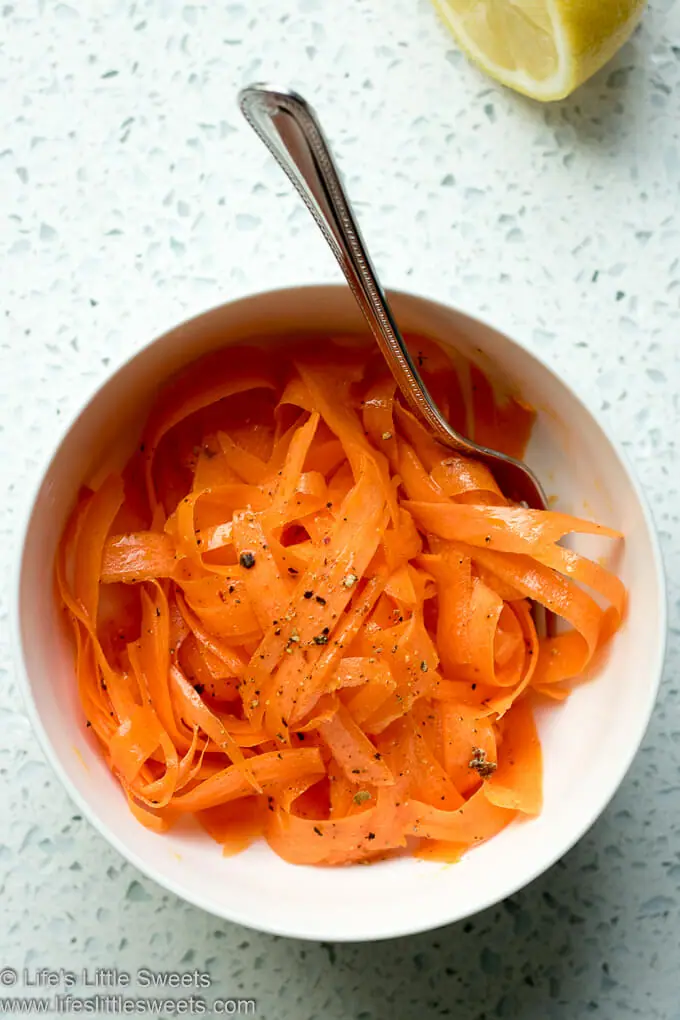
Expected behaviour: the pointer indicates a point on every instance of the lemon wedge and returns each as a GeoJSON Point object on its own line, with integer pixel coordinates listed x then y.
{"type": "Point", "coordinates": [543, 48]}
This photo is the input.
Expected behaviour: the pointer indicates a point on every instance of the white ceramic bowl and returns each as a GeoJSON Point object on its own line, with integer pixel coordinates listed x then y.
{"type": "Point", "coordinates": [589, 742]}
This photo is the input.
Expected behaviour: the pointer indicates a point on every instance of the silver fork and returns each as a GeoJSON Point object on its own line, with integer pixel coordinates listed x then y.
{"type": "Point", "coordinates": [289, 128]}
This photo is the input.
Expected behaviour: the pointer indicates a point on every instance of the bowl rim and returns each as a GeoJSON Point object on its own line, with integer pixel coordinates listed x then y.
{"type": "Point", "coordinates": [373, 932]}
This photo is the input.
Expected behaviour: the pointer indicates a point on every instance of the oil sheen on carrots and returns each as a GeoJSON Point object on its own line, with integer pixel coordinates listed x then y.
{"type": "Point", "coordinates": [296, 617]}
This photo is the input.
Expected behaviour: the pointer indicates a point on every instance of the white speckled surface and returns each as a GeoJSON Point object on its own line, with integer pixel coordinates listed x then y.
{"type": "Point", "coordinates": [131, 195]}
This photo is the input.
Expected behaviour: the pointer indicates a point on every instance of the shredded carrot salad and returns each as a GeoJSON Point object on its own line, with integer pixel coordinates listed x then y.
{"type": "Point", "coordinates": [296, 616]}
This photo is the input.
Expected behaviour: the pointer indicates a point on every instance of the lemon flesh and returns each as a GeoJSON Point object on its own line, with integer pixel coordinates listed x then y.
{"type": "Point", "coordinates": [543, 48]}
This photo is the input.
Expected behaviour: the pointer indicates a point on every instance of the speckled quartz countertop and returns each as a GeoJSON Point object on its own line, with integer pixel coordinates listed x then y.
{"type": "Point", "coordinates": [131, 196]}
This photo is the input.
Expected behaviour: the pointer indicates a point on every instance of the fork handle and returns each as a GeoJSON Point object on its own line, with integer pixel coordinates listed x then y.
{"type": "Point", "coordinates": [289, 128]}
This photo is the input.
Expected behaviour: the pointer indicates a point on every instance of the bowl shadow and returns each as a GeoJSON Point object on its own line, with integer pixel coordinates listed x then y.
{"type": "Point", "coordinates": [542, 953]}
